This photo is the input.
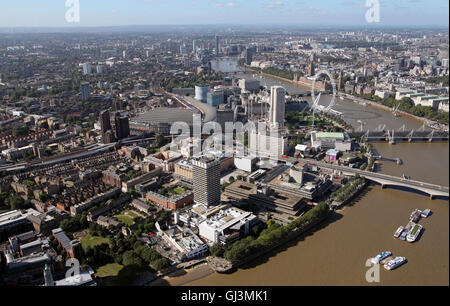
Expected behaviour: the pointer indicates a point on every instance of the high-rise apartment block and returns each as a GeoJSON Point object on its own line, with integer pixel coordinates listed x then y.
{"type": "Point", "coordinates": [206, 178]}
{"type": "Point", "coordinates": [277, 106]}
{"type": "Point", "coordinates": [122, 125]}
{"type": "Point", "coordinates": [85, 91]}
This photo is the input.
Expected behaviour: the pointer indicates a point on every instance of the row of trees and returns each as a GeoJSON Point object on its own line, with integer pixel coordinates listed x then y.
{"type": "Point", "coordinates": [75, 223]}
{"type": "Point", "coordinates": [240, 250]}
{"type": "Point", "coordinates": [346, 190]}
{"type": "Point", "coordinates": [407, 105]}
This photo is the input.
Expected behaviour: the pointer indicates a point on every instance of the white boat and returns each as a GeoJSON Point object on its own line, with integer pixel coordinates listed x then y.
{"type": "Point", "coordinates": [394, 263]}
{"type": "Point", "coordinates": [399, 232]}
{"type": "Point", "coordinates": [426, 213]}
{"type": "Point", "coordinates": [414, 233]}
{"type": "Point", "coordinates": [377, 259]}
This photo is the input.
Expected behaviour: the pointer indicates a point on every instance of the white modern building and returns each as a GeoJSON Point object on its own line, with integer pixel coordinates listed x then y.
{"type": "Point", "coordinates": [277, 106]}
{"type": "Point", "coordinates": [246, 163]}
{"type": "Point", "coordinates": [225, 224]}
{"type": "Point", "coordinates": [338, 141]}
{"type": "Point", "coordinates": [201, 92]}
{"type": "Point", "coordinates": [267, 144]}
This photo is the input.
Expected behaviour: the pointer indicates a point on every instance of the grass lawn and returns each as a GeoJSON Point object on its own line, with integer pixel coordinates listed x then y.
{"type": "Point", "coordinates": [90, 241]}
{"type": "Point", "coordinates": [109, 273]}
{"type": "Point", "coordinates": [115, 274]}
{"type": "Point", "coordinates": [173, 192]}
{"type": "Point", "coordinates": [109, 270]}
{"type": "Point", "coordinates": [128, 221]}
{"type": "Point", "coordinates": [179, 191]}
{"type": "Point", "coordinates": [127, 217]}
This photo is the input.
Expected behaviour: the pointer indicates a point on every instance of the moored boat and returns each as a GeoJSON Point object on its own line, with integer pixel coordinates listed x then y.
{"type": "Point", "coordinates": [377, 259]}
{"type": "Point", "coordinates": [399, 232]}
{"type": "Point", "coordinates": [414, 233]}
{"type": "Point", "coordinates": [426, 213]}
{"type": "Point", "coordinates": [394, 263]}
{"type": "Point", "coordinates": [415, 216]}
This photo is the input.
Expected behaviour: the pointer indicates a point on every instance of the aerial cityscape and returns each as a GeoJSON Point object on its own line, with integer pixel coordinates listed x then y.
{"type": "Point", "coordinates": [256, 143]}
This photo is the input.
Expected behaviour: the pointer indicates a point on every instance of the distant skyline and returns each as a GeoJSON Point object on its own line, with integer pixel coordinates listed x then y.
{"type": "Point", "coordinates": [104, 13]}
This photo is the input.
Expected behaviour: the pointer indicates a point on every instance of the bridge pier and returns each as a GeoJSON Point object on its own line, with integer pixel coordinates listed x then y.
{"type": "Point", "coordinates": [431, 197]}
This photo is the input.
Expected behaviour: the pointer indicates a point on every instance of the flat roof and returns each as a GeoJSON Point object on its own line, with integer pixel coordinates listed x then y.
{"type": "Point", "coordinates": [329, 135]}
{"type": "Point", "coordinates": [83, 278]}
{"type": "Point", "coordinates": [165, 115]}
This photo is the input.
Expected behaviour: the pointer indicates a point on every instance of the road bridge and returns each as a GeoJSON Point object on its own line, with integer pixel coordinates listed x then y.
{"type": "Point", "coordinates": [384, 180]}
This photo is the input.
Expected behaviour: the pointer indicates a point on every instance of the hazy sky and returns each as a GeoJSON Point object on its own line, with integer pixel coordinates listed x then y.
{"type": "Point", "coordinates": [51, 13]}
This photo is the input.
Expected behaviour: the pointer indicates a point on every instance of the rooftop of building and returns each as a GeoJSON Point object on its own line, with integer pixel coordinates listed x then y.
{"type": "Point", "coordinates": [16, 215]}
{"type": "Point", "coordinates": [185, 238]}
{"type": "Point", "coordinates": [84, 278]}
{"type": "Point", "coordinates": [330, 135]}
{"type": "Point", "coordinates": [165, 116]}
{"type": "Point", "coordinates": [225, 216]}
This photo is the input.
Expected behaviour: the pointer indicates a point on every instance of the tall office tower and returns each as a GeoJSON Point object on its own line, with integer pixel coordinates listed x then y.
{"type": "Point", "coordinates": [217, 45]}
{"type": "Point", "coordinates": [122, 125]}
{"type": "Point", "coordinates": [85, 91]}
{"type": "Point", "coordinates": [106, 129]}
{"type": "Point", "coordinates": [99, 69]}
{"type": "Point", "coordinates": [277, 106]}
{"type": "Point", "coordinates": [341, 81]}
{"type": "Point", "coordinates": [183, 49]}
{"type": "Point", "coordinates": [105, 121]}
{"type": "Point", "coordinates": [248, 57]}
{"type": "Point", "coordinates": [311, 69]}
{"type": "Point", "coordinates": [194, 46]}
{"type": "Point", "coordinates": [124, 54]}
{"type": "Point", "coordinates": [87, 69]}
{"type": "Point", "coordinates": [206, 177]}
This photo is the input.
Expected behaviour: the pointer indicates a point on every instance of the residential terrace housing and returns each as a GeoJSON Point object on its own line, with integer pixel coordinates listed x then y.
{"type": "Point", "coordinates": [79, 208]}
